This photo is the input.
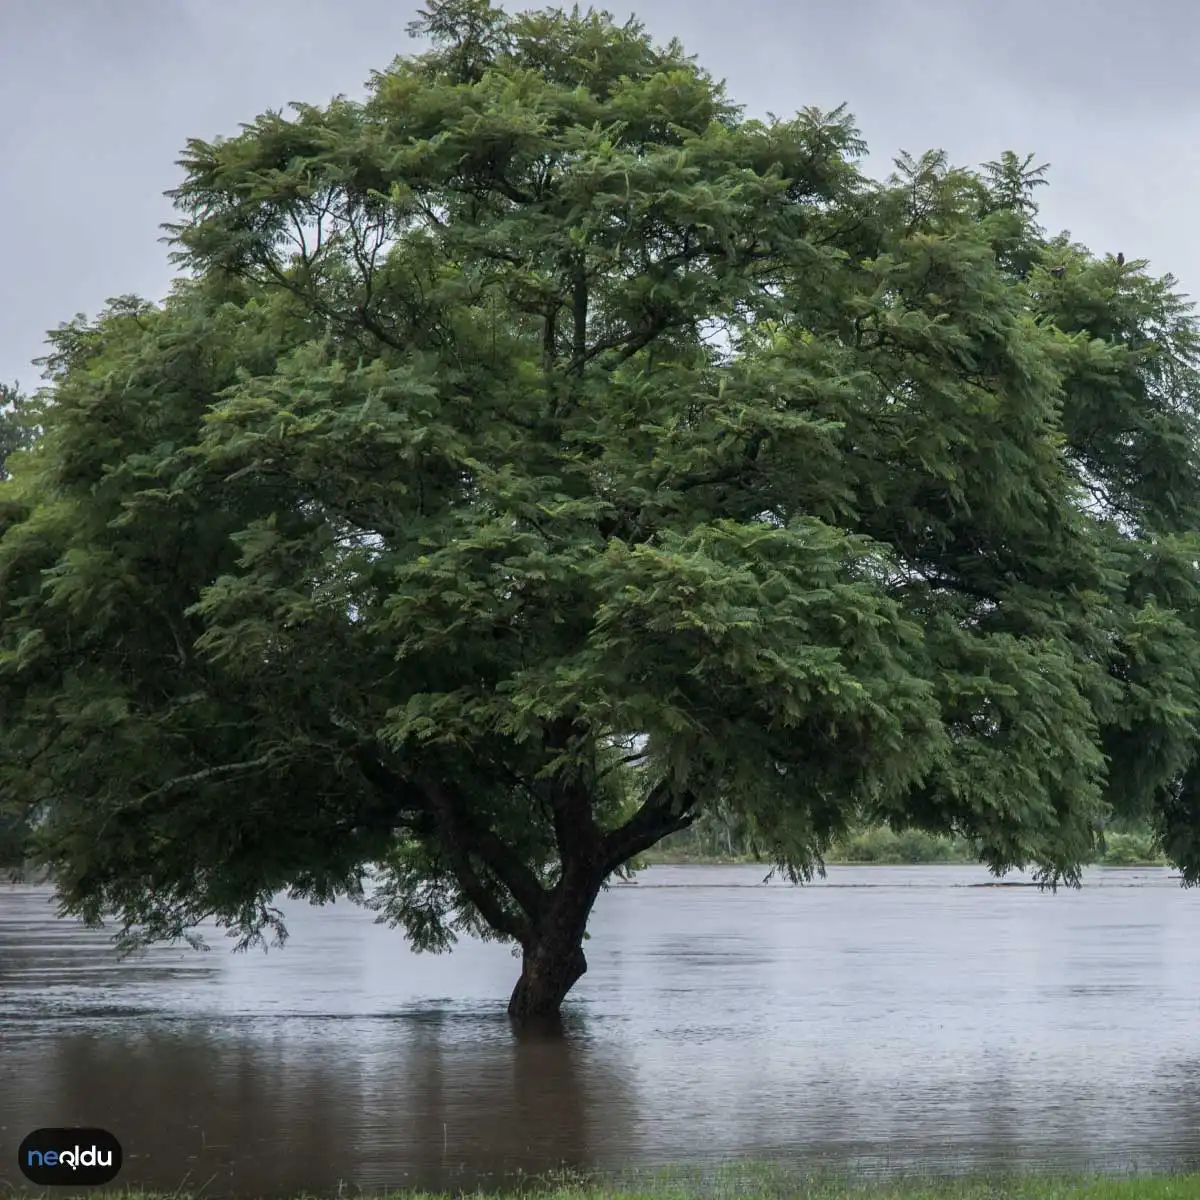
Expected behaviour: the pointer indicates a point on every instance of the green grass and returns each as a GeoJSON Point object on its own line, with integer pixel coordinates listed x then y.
{"type": "Point", "coordinates": [766, 1184]}
{"type": "Point", "coordinates": [1179, 1188]}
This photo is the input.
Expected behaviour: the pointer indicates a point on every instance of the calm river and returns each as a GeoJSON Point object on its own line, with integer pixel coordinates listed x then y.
{"type": "Point", "coordinates": [886, 1018]}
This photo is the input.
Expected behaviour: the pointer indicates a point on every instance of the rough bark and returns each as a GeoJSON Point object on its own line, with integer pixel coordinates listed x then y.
{"type": "Point", "coordinates": [553, 960]}
{"type": "Point", "coordinates": [548, 973]}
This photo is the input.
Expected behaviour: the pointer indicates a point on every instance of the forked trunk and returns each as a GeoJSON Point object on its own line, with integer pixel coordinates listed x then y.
{"type": "Point", "coordinates": [553, 960]}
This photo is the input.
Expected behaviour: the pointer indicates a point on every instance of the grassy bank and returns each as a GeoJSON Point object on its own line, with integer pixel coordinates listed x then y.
{"type": "Point", "coordinates": [1166, 1187]}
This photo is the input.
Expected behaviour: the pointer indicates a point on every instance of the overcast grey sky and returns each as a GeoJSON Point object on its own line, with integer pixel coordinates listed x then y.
{"type": "Point", "coordinates": [99, 96]}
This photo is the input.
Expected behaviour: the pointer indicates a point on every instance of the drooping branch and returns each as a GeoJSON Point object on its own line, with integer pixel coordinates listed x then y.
{"type": "Point", "coordinates": [501, 919]}
{"type": "Point", "coordinates": [406, 805]}
{"type": "Point", "coordinates": [504, 862]}
{"type": "Point", "coordinates": [461, 837]}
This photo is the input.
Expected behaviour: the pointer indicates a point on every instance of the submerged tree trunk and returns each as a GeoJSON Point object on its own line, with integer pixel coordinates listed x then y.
{"type": "Point", "coordinates": [553, 960]}
{"type": "Point", "coordinates": [547, 975]}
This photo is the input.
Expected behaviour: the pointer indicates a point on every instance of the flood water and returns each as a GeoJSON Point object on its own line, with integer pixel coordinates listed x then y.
{"type": "Point", "coordinates": [889, 1018]}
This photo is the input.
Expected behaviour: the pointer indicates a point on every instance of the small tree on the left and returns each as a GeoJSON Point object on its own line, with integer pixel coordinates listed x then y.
{"type": "Point", "coordinates": [17, 432]}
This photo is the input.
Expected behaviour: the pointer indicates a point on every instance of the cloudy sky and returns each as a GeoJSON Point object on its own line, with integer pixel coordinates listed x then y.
{"type": "Point", "coordinates": [99, 96]}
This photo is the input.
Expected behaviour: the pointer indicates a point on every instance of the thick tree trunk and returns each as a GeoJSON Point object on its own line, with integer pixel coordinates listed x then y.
{"type": "Point", "coordinates": [548, 973]}
{"type": "Point", "coordinates": [553, 960]}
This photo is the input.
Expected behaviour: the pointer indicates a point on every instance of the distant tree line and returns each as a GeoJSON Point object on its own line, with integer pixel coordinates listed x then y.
{"type": "Point", "coordinates": [716, 839]}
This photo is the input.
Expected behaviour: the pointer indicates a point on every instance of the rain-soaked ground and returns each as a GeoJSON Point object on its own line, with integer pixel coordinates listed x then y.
{"type": "Point", "coordinates": [885, 1019]}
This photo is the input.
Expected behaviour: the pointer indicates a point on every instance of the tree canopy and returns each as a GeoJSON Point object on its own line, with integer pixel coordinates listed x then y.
{"type": "Point", "coordinates": [541, 452]}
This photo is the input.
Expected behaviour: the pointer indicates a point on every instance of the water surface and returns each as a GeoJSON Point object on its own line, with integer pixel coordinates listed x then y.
{"type": "Point", "coordinates": [883, 1019]}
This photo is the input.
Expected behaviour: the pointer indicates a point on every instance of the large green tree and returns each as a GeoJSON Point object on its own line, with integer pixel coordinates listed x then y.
{"type": "Point", "coordinates": [539, 454]}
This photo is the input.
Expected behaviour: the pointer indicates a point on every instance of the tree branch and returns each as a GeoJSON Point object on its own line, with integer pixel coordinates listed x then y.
{"type": "Point", "coordinates": [580, 842]}
{"type": "Point", "coordinates": [445, 816]}
{"type": "Point", "coordinates": [627, 345]}
{"type": "Point", "coordinates": [500, 858]}
{"type": "Point", "coordinates": [659, 815]}
{"type": "Point", "coordinates": [474, 888]}
{"type": "Point", "coordinates": [627, 760]}
{"type": "Point", "coordinates": [208, 775]}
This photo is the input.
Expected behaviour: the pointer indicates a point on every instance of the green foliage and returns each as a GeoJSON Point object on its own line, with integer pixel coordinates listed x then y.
{"type": "Point", "coordinates": [1130, 849]}
{"type": "Point", "coordinates": [716, 841]}
{"type": "Point", "coordinates": [706, 842]}
{"type": "Point", "coordinates": [18, 432]}
{"type": "Point", "coordinates": [18, 427]}
{"type": "Point", "coordinates": [543, 411]}
{"type": "Point", "coordinates": [884, 845]}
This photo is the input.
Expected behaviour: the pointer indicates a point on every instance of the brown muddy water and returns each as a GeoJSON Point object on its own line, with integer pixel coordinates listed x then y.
{"type": "Point", "coordinates": [887, 1019]}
